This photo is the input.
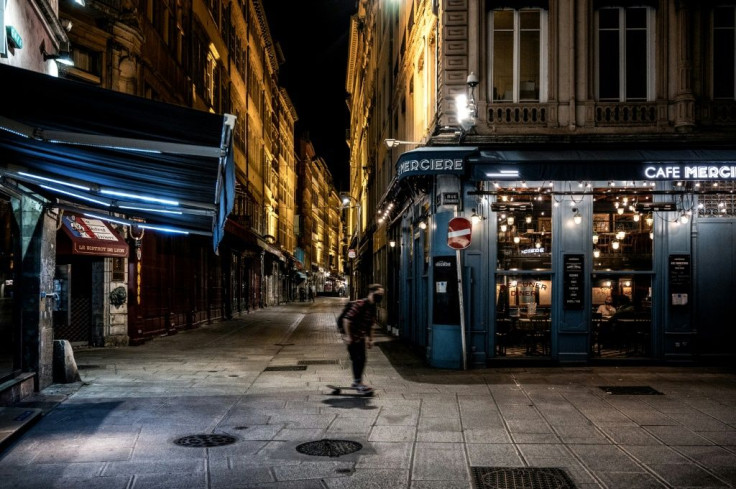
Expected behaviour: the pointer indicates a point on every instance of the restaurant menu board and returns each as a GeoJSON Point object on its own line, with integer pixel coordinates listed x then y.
{"type": "Point", "coordinates": [679, 279]}
{"type": "Point", "coordinates": [573, 281]}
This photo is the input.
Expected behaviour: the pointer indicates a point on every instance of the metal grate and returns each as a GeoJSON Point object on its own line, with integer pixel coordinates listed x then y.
{"type": "Point", "coordinates": [284, 368]}
{"type": "Point", "coordinates": [329, 448]}
{"type": "Point", "coordinates": [520, 478]}
{"type": "Point", "coordinates": [206, 440]}
{"type": "Point", "coordinates": [317, 362]}
{"type": "Point", "coordinates": [630, 390]}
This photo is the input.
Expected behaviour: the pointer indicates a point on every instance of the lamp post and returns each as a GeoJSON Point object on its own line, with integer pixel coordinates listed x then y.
{"type": "Point", "coordinates": [347, 200]}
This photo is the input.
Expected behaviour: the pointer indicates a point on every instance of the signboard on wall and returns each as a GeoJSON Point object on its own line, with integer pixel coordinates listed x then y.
{"type": "Point", "coordinates": [446, 302]}
{"type": "Point", "coordinates": [680, 281]}
{"type": "Point", "coordinates": [573, 281]}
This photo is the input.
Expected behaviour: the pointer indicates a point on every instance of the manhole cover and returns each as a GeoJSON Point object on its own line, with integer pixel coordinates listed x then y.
{"type": "Point", "coordinates": [207, 440]}
{"type": "Point", "coordinates": [630, 390]}
{"type": "Point", "coordinates": [329, 448]}
{"type": "Point", "coordinates": [521, 478]}
{"type": "Point", "coordinates": [317, 362]}
{"type": "Point", "coordinates": [285, 368]}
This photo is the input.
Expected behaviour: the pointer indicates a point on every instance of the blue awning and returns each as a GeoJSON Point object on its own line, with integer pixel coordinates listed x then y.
{"type": "Point", "coordinates": [108, 154]}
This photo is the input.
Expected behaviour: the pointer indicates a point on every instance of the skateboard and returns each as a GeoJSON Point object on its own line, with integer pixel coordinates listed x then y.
{"type": "Point", "coordinates": [337, 390]}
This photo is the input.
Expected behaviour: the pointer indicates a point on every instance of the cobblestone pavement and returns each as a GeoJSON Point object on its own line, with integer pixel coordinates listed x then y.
{"type": "Point", "coordinates": [424, 428]}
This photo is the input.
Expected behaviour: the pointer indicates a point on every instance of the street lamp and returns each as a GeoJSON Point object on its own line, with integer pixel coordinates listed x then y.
{"type": "Point", "coordinates": [395, 143]}
{"type": "Point", "coordinates": [347, 200]}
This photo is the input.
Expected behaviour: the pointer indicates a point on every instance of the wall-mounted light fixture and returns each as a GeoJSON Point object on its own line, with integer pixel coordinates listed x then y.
{"type": "Point", "coordinates": [422, 225]}
{"type": "Point", "coordinates": [63, 56]}
{"type": "Point", "coordinates": [467, 110]}
{"type": "Point", "coordinates": [477, 217]}
{"type": "Point", "coordinates": [577, 218]}
{"type": "Point", "coordinates": [79, 2]}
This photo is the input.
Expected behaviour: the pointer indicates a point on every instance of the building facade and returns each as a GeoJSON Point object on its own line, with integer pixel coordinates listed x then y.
{"type": "Point", "coordinates": [534, 162]}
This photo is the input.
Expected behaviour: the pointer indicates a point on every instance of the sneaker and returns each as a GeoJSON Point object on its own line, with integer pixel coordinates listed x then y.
{"type": "Point", "coordinates": [362, 388]}
{"type": "Point", "coordinates": [356, 384]}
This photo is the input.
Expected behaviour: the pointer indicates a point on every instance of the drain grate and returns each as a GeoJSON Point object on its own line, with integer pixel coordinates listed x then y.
{"type": "Point", "coordinates": [206, 440]}
{"type": "Point", "coordinates": [630, 390]}
{"type": "Point", "coordinates": [317, 362]}
{"type": "Point", "coordinates": [285, 368]}
{"type": "Point", "coordinates": [329, 448]}
{"type": "Point", "coordinates": [521, 478]}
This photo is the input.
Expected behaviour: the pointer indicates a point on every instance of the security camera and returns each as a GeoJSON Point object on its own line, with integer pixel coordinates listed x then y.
{"type": "Point", "coordinates": [472, 80]}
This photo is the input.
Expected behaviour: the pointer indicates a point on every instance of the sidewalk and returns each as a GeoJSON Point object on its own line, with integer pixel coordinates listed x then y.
{"type": "Point", "coordinates": [199, 410]}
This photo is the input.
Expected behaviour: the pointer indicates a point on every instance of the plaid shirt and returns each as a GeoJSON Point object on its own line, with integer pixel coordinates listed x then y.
{"type": "Point", "coordinates": [361, 316]}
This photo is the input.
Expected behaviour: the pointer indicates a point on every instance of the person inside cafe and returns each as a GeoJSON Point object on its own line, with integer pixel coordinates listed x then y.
{"type": "Point", "coordinates": [607, 309]}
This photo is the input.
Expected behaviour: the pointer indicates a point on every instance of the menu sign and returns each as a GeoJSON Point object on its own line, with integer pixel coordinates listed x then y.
{"type": "Point", "coordinates": [573, 281]}
{"type": "Point", "coordinates": [679, 279]}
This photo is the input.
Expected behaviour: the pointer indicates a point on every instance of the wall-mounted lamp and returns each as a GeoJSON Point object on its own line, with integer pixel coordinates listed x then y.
{"type": "Point", "coordinates": [64, 56]}
{"type": "Point", "coordinates": [577, 218]}
{"type": "Point", "coordinates": [422, 225]}
{"type": "Point", "coordinates": [395, 143]}
{"type": "Point", "coordinates": [476, 217]}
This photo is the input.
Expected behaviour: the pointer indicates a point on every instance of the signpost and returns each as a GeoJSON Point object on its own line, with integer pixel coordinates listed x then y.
{"type": "Point", "coordinates": [459, 232]}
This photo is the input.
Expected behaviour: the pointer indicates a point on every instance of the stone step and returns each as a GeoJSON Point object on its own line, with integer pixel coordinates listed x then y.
{"type": "Point", "coordinates": [14, 421]}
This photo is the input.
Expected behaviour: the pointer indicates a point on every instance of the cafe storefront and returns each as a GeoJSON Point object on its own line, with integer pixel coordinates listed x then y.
{"type": "Point", "coordinates": [574, 256]}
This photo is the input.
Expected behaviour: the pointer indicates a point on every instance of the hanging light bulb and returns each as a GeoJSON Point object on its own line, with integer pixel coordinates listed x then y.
{"type": "Point", "coordinates": [615, 244]}
{"type": "Point", "coordinates": [595, 237]}
{"type": "Point", "coordinates": [504, 228]}
{"type": "Point", "coordinates": [651, 235]}
{"type": "Point", "coordinates": [517, 239]}
{"type": "Point", "coordinates": [528, 219]}
{"type": "Point", "coordinates": [538, 244]}
{"type": "Point", "coordinates": [596, 252]}
{"type": "Point", "coordinates": [620, 235]}
{"type": "Point", "coordinates": [392, 243]}
{"type": "Point", "coordinates": [649, 219]}
{"type": "Point", "coordinates": [423, 225]}
{"type": "Point", "coordinates": [510, 220]}
{"type": "Point", "coordinates": [684, 219]}
{"type": "Point", "coordinates": [636, 217]}
{"type": "Point", "coordinates": [620, 210]}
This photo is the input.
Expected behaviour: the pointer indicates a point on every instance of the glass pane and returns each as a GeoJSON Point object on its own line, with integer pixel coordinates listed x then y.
{"type": "Point", "coordinates": [622, 238]}
{"type": "Point", "coordinates": [636, 65]}
{"type": "Point", "coordinates": [529, 66]}
{"type": "Point", "coordinates": [503, 65]}
{"type": "Point", "coordinates": [723, 63]}
{"type": "Point", "coordinates": [503, 19]}
{"type": "Point", "coordinates": [529, 19]}
{"type": "Point", "coordinates": [523, 304]}
{"type": "Point", "coordinates": [636, 18]}
{"type": "Point", "coordinates": [608, 69]}
{"type": "Point", "coordinates": [621, 320]}
{"type": "Point", "coordinates": [608, 18]}
{"type": "Point", "coordinates": [525, 235]}
{"type": "Point", "coordinates": [723, 17]}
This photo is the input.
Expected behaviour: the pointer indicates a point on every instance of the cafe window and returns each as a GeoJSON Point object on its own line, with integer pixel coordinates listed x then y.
{"type": "Point", "coordinates": [622, 315]}
{"type": "Point", "coordinates": [622, 236]}
{"type": "Point", "coordinates": [517, 43]}
{"type": "Point", "coordinates": [524, 224]}
{"type": "Point", "coordinates": [523, 305]}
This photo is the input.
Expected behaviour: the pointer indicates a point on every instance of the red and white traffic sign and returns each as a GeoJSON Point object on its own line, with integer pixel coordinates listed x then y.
{"type": "Point", "coordinates": [458, 233]}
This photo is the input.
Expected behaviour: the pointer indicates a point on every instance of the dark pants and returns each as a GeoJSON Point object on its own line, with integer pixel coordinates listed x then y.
{"type": "Point", "coordinates": [357, 356]}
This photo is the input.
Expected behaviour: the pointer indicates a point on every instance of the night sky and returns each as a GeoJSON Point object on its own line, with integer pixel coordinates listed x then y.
{"type": "Point", "coordinates": [314, 38]}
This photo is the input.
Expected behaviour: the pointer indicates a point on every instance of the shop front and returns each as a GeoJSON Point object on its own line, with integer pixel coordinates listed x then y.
{"type": "Point", "coordinates": [574, 255]}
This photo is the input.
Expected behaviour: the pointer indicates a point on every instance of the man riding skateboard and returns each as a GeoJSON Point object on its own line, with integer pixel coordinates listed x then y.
{"type": "Point", "coordinates": [358, 323]}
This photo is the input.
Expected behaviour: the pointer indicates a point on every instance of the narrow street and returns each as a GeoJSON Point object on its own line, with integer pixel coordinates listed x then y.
{"type": "Point", "coordinates": [199, 409]}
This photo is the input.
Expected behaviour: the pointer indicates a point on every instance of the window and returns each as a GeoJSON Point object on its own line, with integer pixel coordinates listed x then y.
{"type": "Point", "coordinates": [518, 68]}
{"type": "Point", "coordinates": [724, 53]}
{"type": "Point", "coordinates": [625, 43]}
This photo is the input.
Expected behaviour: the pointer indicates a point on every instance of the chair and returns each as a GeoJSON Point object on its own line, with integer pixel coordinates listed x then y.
{"type": "Point", "coordinates": [540, 331]}
{"type": "Point", "coordinates": [503, 327]}
{"type": "Point", "coordinates": [595, 330]}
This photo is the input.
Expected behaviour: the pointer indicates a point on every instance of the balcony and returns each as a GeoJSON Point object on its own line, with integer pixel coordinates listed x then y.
{"type": "Point", "coordinates": [525, 114]}
{"type": "Point", "coordinates": [718, 112]}
{"type": "Point", "coordinates": [624, 114]}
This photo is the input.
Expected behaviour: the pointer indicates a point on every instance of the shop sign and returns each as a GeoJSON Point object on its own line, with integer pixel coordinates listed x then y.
{"type": "Point", "coordinates": [430, 166]}
{"type": "Point", "coordinates": [450, 198]}
{"type": "Point", "coordinates": [663, 171]}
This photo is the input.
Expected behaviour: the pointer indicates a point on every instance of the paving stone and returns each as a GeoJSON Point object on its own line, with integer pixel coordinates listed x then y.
{"type": "Point", "coordinates": [440, 461]}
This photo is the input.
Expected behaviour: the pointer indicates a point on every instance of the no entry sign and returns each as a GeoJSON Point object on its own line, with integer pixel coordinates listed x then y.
{"type": "Point", "coordinates": [458, 233]}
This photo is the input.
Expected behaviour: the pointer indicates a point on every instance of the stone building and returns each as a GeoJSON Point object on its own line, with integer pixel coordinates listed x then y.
{"type": "Point", "coordinates": [532, 159]}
